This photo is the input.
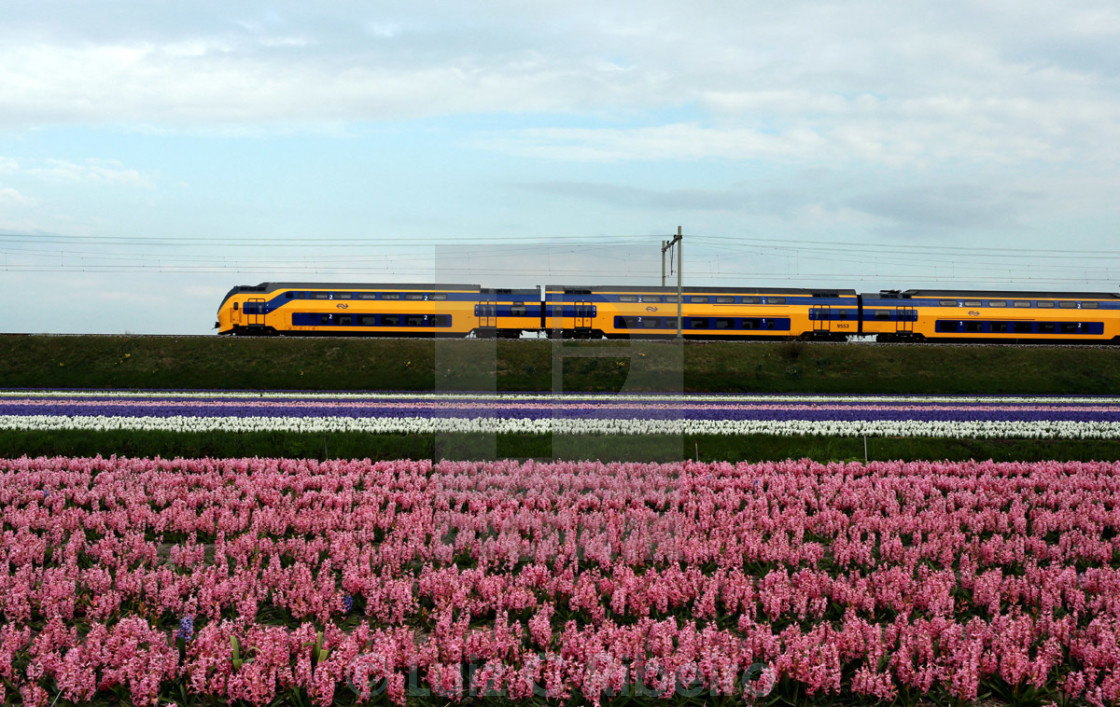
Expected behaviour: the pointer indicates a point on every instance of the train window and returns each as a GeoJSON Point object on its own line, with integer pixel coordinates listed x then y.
{"type": "Point", "coordinates": [973, 327]}
{"type": "Point", "coordinates": [750, 323]}
{"type": "Point", "coordinates": [627, 298]}
{"type": "Point", "coordinates": [698, 300]}
{"type": "Point", "coordinates": [390, 320]}
{"type": "Point", "coordinates": [997, 303]}
{"type": "Point", "coordinates": [1066, 304]}
{"type": "Point", "coordinates": [697, 323]}
{"type": "Point", "coordinates": [345, 319]}
{"type": "Point", "coordinates": [649, 298]}
{"type": "Point", "coordinates": [367, 295]}
{"type": "Point", "coordinates": [775, 300]}
{"type": "Point", "coordinates": [725, 300]}
{"type": "Point", "coordinates": [441, 320]}
{"type": "Point", "coordinates": [390, 295]}
{"type": "Point", "coordinates": [752, 300]}
{"type": "Point", "coordinates": [439, 295]}
{"type": "Point", "coordinates": [1070, 327]}
{"type": "Point", "coordinates": [999, 327]}
{"type": "Point", "coordinates": [288, 294]}
{"type": "Point", "coordinates": [1046, 327]}
{"type": "Point", "coordinates": [518, 310]}
{"type": "Point", "coordinates": [723, 323]}
{"type": "Point", "coordinates": [1024, 328]}
{"type": "Point", "coordinates": [973, 303]}
{"type": "Point", "coordinates": [414, 320]}
{"type": "Point", "coordinates": [1090, 305]}
{"type": "Point", "coordinates": [320, 295]}
{"type": "Point", "coordinates": [948, 303]}
{"type": "Point", "coordinates": [1046, 305]}
{"type": "Point", "coordinates": [651, 323]}
{"type": "Point", "coordinates": [344, 295]}
{"type": "Point", "coordinates": [882, 315]}
{"type": "Point", "coordinates": [235, 306]}
{"type": "Point", "coordinates": [414, 295]}
{"type": "Point", "coordinates": [1021, 303]}
{"type": "Point", "coordinates": [367, 320]}
{"type": "Point", "coordinates": [671, 298]}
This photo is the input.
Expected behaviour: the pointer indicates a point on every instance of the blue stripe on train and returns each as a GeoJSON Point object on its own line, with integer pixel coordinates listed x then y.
{"type": "Point", "coordinates": [371, 320]}
{"type": "Point", "coordinates": [705, 323]}
{"type": "Point", "coordinates": [966, 326]}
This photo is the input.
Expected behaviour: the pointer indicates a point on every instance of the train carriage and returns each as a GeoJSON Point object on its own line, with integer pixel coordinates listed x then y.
{"type": "Point", "coordinates": [391, 309]}
{"type": "Point", "coordinates": [989, 315]}
{"type": "Point", "coordinates": [705, 313]}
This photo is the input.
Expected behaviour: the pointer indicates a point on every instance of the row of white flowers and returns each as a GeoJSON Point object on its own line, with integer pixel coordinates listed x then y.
{"type": "Point", "coordinates": [426, 425]}
{"type": "Point", "coordinates": [593, 397]}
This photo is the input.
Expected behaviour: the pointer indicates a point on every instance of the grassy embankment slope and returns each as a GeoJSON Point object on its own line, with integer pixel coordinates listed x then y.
{"type": "Point", "coordinates": [362, 364]}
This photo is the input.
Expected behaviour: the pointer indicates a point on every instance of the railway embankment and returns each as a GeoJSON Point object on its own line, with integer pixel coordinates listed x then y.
{"type": "Point", "coordinates": [219, 363]}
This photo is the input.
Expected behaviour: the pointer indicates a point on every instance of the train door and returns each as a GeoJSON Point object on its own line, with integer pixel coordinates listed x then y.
{"type": "Point", "coordinates": [584, 313]}
{"type": "Point", "coordinates": [904, 319]}
{"type": "Point", "coordinates": [487, 314]}
{"type": "Point", "coordinates": [254, 311]}
{"type": "Point", "coordinates": [822, 319]}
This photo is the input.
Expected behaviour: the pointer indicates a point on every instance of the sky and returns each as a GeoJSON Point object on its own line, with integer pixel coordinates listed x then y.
{"type": "Point", "coordinates": [154, 154]}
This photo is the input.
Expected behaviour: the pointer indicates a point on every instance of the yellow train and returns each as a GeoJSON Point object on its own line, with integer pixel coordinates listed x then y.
{"type": "Point", "coordinates": [449, 310]}
{"type": "Point", "coordinates": [981, 315]}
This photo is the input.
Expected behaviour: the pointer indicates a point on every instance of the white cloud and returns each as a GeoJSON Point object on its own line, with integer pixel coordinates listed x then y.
{"type": "Point", "coordinates": [105, 171]}
{"type": "Point", "coordinates": [12, 197]}
{"type": "Point", "coordinates": [938, 129]}
{"type": "Point", "coordinates": [901, 84]}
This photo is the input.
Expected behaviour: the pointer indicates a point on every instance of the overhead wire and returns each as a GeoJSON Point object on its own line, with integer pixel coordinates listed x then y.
{"type": "Point", "coordinates": [949, 263]}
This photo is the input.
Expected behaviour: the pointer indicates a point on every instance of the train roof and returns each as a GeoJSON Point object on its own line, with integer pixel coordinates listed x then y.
{"type": "Point", "coordinates": [266, 287]}
{"type": "Point", "coordinates": [1010, 294]}
{"type": "Point", "coordinates": [273, 286]}
{"type": "Point", "coordinates": [819, 291]}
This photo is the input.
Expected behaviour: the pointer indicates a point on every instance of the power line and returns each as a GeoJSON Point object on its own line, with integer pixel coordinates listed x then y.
{"type": "Point", "coordinates": [730, 259]}
{"type": "Point", "coordinates": [531, 241]}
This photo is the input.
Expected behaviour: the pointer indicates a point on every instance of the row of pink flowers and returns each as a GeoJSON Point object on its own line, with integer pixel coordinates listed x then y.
{"type": "Point", "coordinates": [247, 579]}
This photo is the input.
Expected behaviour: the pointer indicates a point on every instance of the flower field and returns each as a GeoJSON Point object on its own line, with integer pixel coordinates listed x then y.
{"type": "Point", "coordinates": [268, 581]}
{"type": "Point", "coordinates": [382, 413]}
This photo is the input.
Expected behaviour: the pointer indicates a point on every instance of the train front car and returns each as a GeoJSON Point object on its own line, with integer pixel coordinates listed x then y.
{"type": "Point", "coordinates": [349, 309]}
{"type": "Point", "coordinates": [987, 316]}
{"type": "Point", "coordinates": [705, 313]}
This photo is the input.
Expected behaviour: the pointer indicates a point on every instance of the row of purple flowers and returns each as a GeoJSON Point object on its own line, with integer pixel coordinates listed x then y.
{"type": "Point", "coordinates": [668, 407]}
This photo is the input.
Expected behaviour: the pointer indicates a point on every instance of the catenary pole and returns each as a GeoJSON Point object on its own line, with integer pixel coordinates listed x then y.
{"type": "Point", "coordinates": [680, 279]}
{"type": "Point", "coordinates": [677, 242]}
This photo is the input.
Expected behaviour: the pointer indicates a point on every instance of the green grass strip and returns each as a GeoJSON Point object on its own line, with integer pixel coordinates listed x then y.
{"type": "Point", "coordinates": [216, 363]}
